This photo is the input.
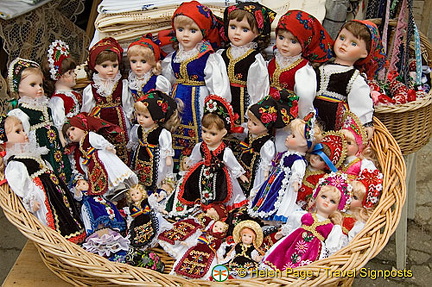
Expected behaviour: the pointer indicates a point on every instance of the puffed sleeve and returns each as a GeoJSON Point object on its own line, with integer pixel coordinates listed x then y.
{"type": "Point", "coordinates": [293, 222]}
{"type": "Point", "coordinates": [360, 101]}
{"type": "Point", "coordinates": [167, 70]}
{"type": "Point", "coordinates": [127, 102]}
{"type": "Point", "coordinates": [298, 170]}
{"type": "Point", "coordinates": [258, 83]}
{"type": "Point", "coordinates": [56, 104]}
{"type": "Point", "coordinates": [216, 77]}
{"type": "Point", "coordinates": [305, 88]}
{"type": "Point", "coordinates": [163, 84]}
{"type": "Point", "coordinates": [195, 155]}
{"type": "Point", "coordinates": [267, 153]}
{"type": "Point", "coordinates": [88, 102]}
{"type": "Point", "coordinates": [98, 142]}
{"type": "Point", "coordinates": [133, 138]}
{"type": "Point", "coordinates": [335, 240]}
{"type": "Point", "coordinates": [231, 162]}
{"type": "Point", "coordinates": [358, 226]}
{"type": "Point", "coordinates": [165, 144]}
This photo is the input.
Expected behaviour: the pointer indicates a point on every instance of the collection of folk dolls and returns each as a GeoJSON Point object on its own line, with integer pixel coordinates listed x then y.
{"type": "Point", "coordinates": [214, 154]}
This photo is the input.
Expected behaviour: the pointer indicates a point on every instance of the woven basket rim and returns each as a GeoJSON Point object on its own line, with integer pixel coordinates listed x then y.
{"type": "Point", "coordinates": [79, 267]}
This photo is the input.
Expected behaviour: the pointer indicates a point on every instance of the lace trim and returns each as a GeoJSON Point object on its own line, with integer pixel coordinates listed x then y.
{"type": "Point", "coordinates": [34, 103]}
{"type": "Point", "coordinates": [136, 83]}
{"type": "Point", "coordinates": [183, 55]}
{"type": "Point", "coordinates": [238, 51]}
{"type": "Point", "coordinates": [283, 61]}
{"type": "Point", "coordinates": [105, 87]}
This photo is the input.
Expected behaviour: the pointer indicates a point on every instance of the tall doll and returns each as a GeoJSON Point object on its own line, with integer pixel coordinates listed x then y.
{"type": "Point", "coordinates": [214, 171]}
{"type": "Point", "coordinates": [341, 85]}
{"type": "Point", "coordinates": [31, 178]}
{"type": "Point", "coordinates": [150, 139]}
{"type": "Point", "coordinates": [26, 78]}
{"type": "Point", "coordinates": [107, 96]}
{"type": "Point", "coordinates": [276, 198]}
{"type": "Point", "coordinates": [312, 236]}
{"type": "Point", "coordinates": [95, 157]}
{"type": "Point", "coordinates": [300, 41]}
{"type": "Point", "coordinates": [60, 79]}
{"type": "Point", "coordinates": [247, 26]}
{"type": "Point", "coordinates": [194, 69]}
{"type": "Point", "coordinates": [258, 149]}
{"type": "Point", "coordinates": [145, 74]}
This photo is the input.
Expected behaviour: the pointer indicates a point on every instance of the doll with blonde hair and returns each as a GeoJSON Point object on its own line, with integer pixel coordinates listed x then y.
{"type": "Point", "coordinates": [150, 140]}
{"type": "Point", "coordinates": [276, 198]}
{"type": "Point", "coordinates": [144, 57]}
{"type": "Point", "coordinates": [308, 237]}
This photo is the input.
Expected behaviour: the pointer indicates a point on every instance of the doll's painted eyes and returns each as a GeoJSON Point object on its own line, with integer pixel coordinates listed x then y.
{"type": "Point", "coordinates": [180, 29]}
{"type": "Point", "coordinates": [193, 31]}
{"type": "Point", "coordinates": [355, 197]}
{"type": "Point", "coordinates": [353, 44]}
{"type": "Point", "coordinates": [333, 201]}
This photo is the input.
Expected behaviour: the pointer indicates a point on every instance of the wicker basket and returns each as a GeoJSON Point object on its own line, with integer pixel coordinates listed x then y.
{"type": "Point", "coordinates": [409, 123]}
{"type": "Point", "coordinates": [79, 267]}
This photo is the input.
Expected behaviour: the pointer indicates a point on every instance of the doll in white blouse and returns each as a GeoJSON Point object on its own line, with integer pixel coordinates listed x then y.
{"type": "Point", "coordinates": [150, 139]}
{"type": "Point", "coordinates": [145, 68]}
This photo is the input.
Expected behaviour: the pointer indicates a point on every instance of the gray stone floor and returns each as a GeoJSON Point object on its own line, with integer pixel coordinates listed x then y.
{"type": "Point", "coordinates": [419, 242]}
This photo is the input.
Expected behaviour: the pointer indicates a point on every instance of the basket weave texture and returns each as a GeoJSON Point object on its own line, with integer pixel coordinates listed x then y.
{"type": "Point", "coordinates": [79, 267]}
{"type": "Point", "coordinates": [409, 123]}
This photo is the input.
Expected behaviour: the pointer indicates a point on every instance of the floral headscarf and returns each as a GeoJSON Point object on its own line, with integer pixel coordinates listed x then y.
{"type": "Point", "coordinates": [265, 111]}
{"type": "Point", "coordinates": [160, 105]}
{"type": "Point", "coordinates": [372, 180]}
{"type": "Point", "coordinates": [148, 42]}
{"type": "Point", "coordinates": [106, 44]}
{"type": "Point", "coordinates": [16, 68]}
{"type": "Point", "coordinates": [219, 106]}
{"type": "Point", "coordinates": [57, 52]}
{"type": "Point", "coordinates": [316, 43]}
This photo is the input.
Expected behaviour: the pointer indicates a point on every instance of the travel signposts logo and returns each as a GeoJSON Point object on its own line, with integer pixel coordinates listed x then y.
{"type": "Point", "coordinates": [220, 273]}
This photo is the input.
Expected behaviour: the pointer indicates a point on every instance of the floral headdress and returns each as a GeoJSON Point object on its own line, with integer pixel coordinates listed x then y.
{"type": "Point", "coordinates": [148, 42]}
{"type": "Point", "coordinates": [265, 111]}
{"type": "Point", "coordinates": [316, 43]}
{"type": "Point", "coordinates": [57, 52]}
{"type": "Point", "coordinates": [252, 225]}
{"type": "Point", "coordinates": [341, 182]}
{"type": "Point", "coordinates": [263, 16]}
{"type": "Point", "coordinates": [376, 59]}
{"type": "Point", "coordinates": [373, 181]}
{"type": "Point", "coordinates": [89, 123]}
{"type": "Point", "coordinates": [287, 106]}
{"type": "Point", "coordinates": [332, 149]}
{"type": "Point", "coordinates": [309, 132]}
{"type": "Point", "coordinates": [219, 106]}
{"type": "Point", "coordinates": [160, 106]}
{"type": "Point", "coordinates": [208, 23]}
{"type": "Point", "coordinates": [352, 123]}
{"type": "Point", "coordinates": [15, 70]}
{"type": "Point", "coordinates": [106, 44]}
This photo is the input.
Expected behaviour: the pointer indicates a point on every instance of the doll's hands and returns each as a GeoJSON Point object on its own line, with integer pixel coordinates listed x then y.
{"type": "Point", "coordinates": [111, 149]}
{"type": "Point", "coordinates": [35, 205]}
{"type": "Point", "coordinates": [369, 132]}
{"type": "Point", "coordinates": [278, 235]}
{"type": "Point", "coordinates": [243, 178]}
{"type": "Point", "coordinates": [296, 186]}
{"type": "Point", "coordinates": [169, 161]}
{"type": "Point", "coordinates": [258, 258]}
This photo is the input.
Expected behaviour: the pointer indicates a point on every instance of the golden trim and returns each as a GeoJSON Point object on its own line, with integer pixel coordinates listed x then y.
{"type": "Point", "coordinates": [275, 82]}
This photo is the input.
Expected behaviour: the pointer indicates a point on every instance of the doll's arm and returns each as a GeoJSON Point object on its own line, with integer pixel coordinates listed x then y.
{"type": "Point", "coordinates": [267, 152]}
{"type": "Point", "coordinates": [99, 142]}
{"type": "Point", "coordinates": [360, 101]}
{"type": "Point", "coordinates": [258, 83]}
{"type": "Point", "coordinates": [298, 171]}
{"type": "Point", "coordinates": [195, 156]}
{"type": "Point", "coordinates": [335, 240]}
{"type": "Point", "coordinates": [305, 88]}
{"type": "Point", "coordinates": [127, 102]}
{"type": "Point", "coordinates": [165, 146]}
{"type": "Point", "coordinates": [216, 77]}
{"type": "Point", "coordinates": [56, 104]}
{"type": "Point", "coordinates": [163, 84]}
{"type": "Point", "coordinates": [293, 222]}
{"type": "Point", "coordinates": [133, 138]}
{"type": "Point", "coordinates": [231, 162]}
{"type": "Point", "coordinates": [167, 70]}
{"type": "Point", "coordinates": [88, 101]}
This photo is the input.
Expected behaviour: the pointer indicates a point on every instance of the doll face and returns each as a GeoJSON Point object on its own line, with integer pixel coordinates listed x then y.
{"type": "Point", "coordinates": [356, 201]}
{"type": "Point", "coordinates": [82, 185]}
{"type": "Point", "coordinates": [295, 141]}
{"type": "Point", "coordinates": [348, 48]}
{"type": "Point", "coordinates": [135, 195]}
{"type": "Point", "coordinates": [247, 236]}
{"type": "Point", "coordinates": [31, 86]}
{"type": "Point", "coordinates": [107, 69]}
{"type": "Point", "coordinates": [240, 32]}
{"type": "Point", "coordinates": [75, 134]}
{"type": "Point", "coordinates": [255, 127]}
{"type": "Point", "coordinates": [352, 147]}
{"type": "Point", "coordinates": [212, 136]}
{"type": "Point", "coordinates": [68, 79]}
{"type": "Point", "coordinates": [139, 65]}
{"type": "Point", "coordinates": [144, 119]}
{"type": "Point", "coordinates": [317, 162]}
{"type": "Point", "coordinates": [219, 227]}
{"type": "Point", "coordinates": [16, 134]}
{"type": "Point", "coordinates": [326, 202]}
{"type": "Point", "coordinates": [188, 35]}
{"type": "Point", "coordinates": [287, 44]}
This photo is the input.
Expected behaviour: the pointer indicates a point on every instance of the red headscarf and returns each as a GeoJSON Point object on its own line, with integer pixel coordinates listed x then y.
{"type": "Point", "coordinates": [147, 41]}
{"type": "Point", "coordinates": [316, 43]}
{"type": "Point", "coordinates": [89, 123]}
{"type": "Point", "coordinates": [106, 44]}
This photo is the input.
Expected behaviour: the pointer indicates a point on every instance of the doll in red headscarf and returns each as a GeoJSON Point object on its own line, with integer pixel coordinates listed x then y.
{"type": "Point", "coordinates": [341, 85]}
{"type": "Point", "coordinates": [108, 97]}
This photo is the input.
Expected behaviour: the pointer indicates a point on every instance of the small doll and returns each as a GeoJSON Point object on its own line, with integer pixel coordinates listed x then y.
{"type": "Point", "coordinates": [327, 155]}
{"type": "Point", "coordinates": [247, 26]}
{"type": "Point", "coordinates": [198, 261]}
{"type": "Point", "coordinates": [43, 193]}
{"type": "Point", "coordinates": [246, 253]}
{"type": "Point", "coordinates": [60, 79]}
{"type": "Point", "coordinates": [258, 149]}
{"type": "Point", "coordinates": [150, 139]}
{"type": "Point", "coordinates": [313, 236]}
{"type": "Point", "coordinates": [366, 191]}
{"type": "Point", "coordinates": [356, 138]}
{"type": "Point", "coordinates": [144, 58]}
{"type": "Point", "coordinates": [194, 69]}
{"type": "Point", "coordinates": [300, 41]}
{"type": "Point", "coordinates": [26, 78]}
{"type": "Point", "coordinates": [159, 198]}
{"type": "Point", "coordinates": [107, 96]}
{"type": "Point", "coordinates": [146, 224]}
{"type": "Point", "coordinates": [276, 198]}
{"type": "Point", "coordinates": [94, 157]}
{"type": "Point", "coordinates": [341, 86]}
{"type": "Point", "coordinates": [213, 173]}
{"type": "Point", "coordinates": [96, 211]}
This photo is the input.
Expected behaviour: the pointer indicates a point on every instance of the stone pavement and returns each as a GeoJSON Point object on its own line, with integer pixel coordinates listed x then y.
{"type": "Point", "coordinates": [419, 242]}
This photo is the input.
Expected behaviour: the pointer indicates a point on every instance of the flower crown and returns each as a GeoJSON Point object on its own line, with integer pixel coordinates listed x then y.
{"type": "Point", "coordinates": [352, 123]}
{"type": "Point", "coordinates": [217, 105]}
{"type": "Point", "coordinates": [15, 70]}
{"type": "Point", "coordinates": [372, 180]}
{"type": "Point", "coordinates": [341, 182]}
{"type": "Point", "coordinates": [57, 52]}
